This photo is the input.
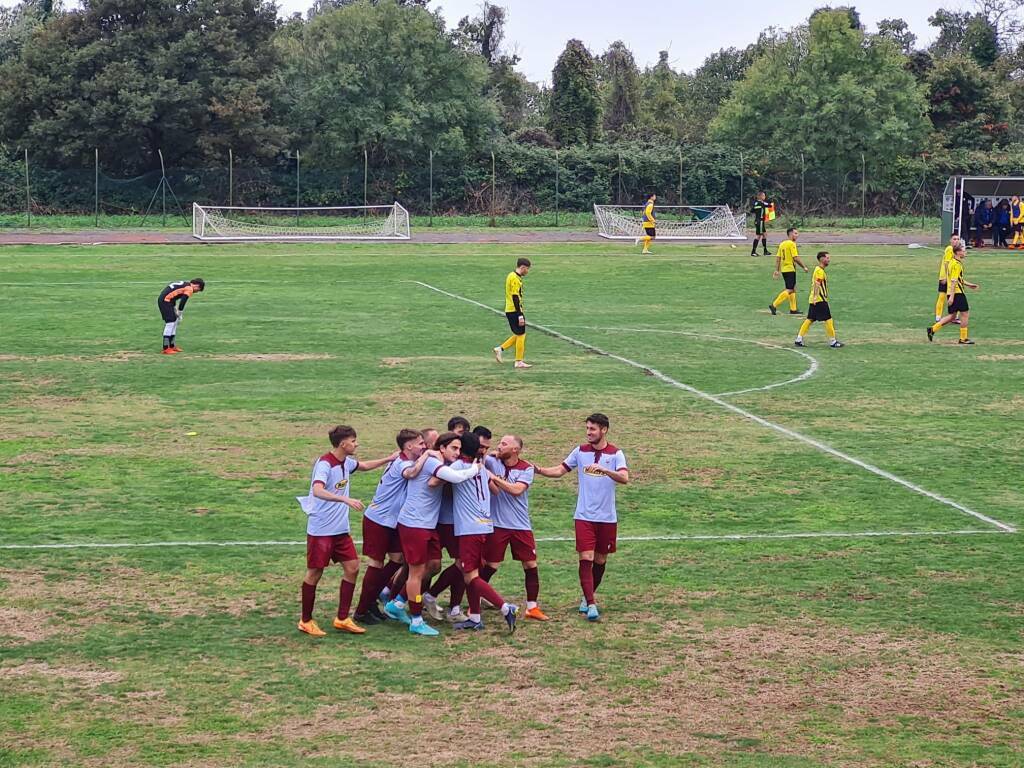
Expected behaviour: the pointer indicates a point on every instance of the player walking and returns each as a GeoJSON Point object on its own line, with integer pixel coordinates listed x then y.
{"type": "Point", "coordinates": [600, 466]}
{"type": "Point", "coordinates": [648, 224]}
{"type": "Point", "coordinates": [955, 298]}
{"type": "Point", "coordinates": [327, 527]}
{"type": "Point", "coordinates": [817, 307]}
{"type": "Point", "coordinates": [785, 259]}
{"type": "Point", "coordinates": [171, 303]}
{"type": "Point", "coordinates": [511, 478]}
{"type": "Point", "coordinates": [514, 314]}
{"type": "Point", "coordinates": [947, 256]}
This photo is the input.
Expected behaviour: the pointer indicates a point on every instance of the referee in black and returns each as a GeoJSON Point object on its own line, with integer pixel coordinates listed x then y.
{"type": "Point", "coordinates": [760, 211]}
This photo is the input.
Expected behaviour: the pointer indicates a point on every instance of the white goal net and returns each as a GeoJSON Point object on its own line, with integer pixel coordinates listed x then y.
{"type": "Point", "coordinates": [354, 222]}
{"type": "Point", "coordinates": [673, 222]}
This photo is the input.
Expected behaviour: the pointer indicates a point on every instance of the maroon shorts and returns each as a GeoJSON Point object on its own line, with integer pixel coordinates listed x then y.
{"type": "Point", "coordinates": [419, 544]}
{"type": "Point", "coordinates": [449, 541]}
{"type": "Point", "coordinates": [595, 537]}
{"type": "Point", "coordinates": [524, 548]}
{"type": "Point", "coordinates": [379, 540]}
{"type": "Point", "coordinates": [472, 549]}
{"type": "Point", "coordinates": [321, 550]}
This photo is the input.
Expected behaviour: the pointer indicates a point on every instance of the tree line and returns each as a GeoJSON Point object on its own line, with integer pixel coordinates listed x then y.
{"type": "Point", "coordinates": [386, 82]}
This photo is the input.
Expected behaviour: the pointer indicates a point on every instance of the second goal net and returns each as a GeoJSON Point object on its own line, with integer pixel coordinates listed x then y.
{"type": "Point", "coordinates": [674, 222]}
{"type": "Point", "coordinates": [354, 222]}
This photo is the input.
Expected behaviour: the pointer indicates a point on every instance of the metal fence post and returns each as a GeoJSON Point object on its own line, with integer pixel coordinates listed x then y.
{"type": "Point", "coordinates": [742, 203]}
{"type": "Point", "coordinates": [231, 177]}
{"type": "Point", "coordinates": [494, 180]}
{"type": "Point", "coordinates": [924, 181]}
{"type": "Point", "coordinates": [366, 176]}
{"type": "Point", "coordinates": [28, 192]}
{"type": "Point", "coordinates": [680, 200]}
{"type": "Point", "coordinates": [618, 192]}
{"type": "Point", "coordinates": [96, 188]}
{"type": "Point", "coordinates": [431, 188]}
{"type": "Point", "coordinates": [163, 189]}
{"type": "Point", "coordinates": [298, 187]}
{"type": "Point", "coordinates": [803, 172]}
{"type": "Point", "coordinates": [556, 187]}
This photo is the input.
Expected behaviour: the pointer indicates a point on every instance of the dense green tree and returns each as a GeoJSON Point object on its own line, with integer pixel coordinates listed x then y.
{"type": "Point", "coordinates": [831, 93]}
{"type": "Point", "coordinates": [969, 34]}
{"type": "Point", "coordinates": [966, 107]}
{"type": "Point", "coordinates": [386, 78]}
{"type": "Point", "coordinates": [134, 76]}
{"type": "Point", "coordinates": [18, 22]}
{"type": "Point", "coordinates": [621, 86]}
{"type": "Point", "coordinates": [575, 106]}
{"type": "Point", "coordinates": [662, 106]}
{"type": "Point", "coordinates": [899, 32]}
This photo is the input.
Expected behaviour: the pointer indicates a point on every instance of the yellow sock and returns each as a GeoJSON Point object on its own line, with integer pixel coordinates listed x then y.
{"type": "Point", "coordinates": [804, 328]}
{"type": "Point", "coordinates": [520, 346]}
{"type": "Point", "coordinates": [792, 301]}
{"type": "Point", "coordinates": [935, 328]}
{"type": "Point", "coordinates": [940, 305]}
{"type": "Point", "coordinates": [830, 328]}
{"type": "Point", "coordinates": [646, 240]}
{"type": "Point", "coordinates": [780, 298]}
{"type": "Point", "coordinates": [963, 333]}
{"type": "Point", "coordinates": [507, 344]}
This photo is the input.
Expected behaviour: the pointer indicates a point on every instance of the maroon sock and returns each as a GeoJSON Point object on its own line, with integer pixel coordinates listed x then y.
{"type": "Point", "coordinates": [348, 588]}
{"type": "Point", "coordinates": [448, 578]}
{"type": "Point", "coordinates": [389, 570]}
{"type": "Point", "coordinates": [598, 574]}
{"type": "Point", "coordinates": [587, 580]}
{"type": "Point", "coordinates": [398, 582]}
{"type": "Point", "coordinates": [416, 606]}
{"type": "Point", "coordinates": [371, 588]}
{"type": "Point", "coordinates": [474, 597]}
{"type": "Point", "coordinates": [487, 592]}
{"type": "Point", "coordinates": [532, 583]}
{"type": "Point", "coordinates": [458, 591]}
{"type": "Point", "coordinates": [308, 598]}
{"type": "Point", "coordinates": [486, 572]}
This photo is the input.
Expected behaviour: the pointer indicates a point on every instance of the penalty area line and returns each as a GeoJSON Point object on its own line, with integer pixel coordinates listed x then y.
{"type": "Point", "coordinates": [540, 539]}
{"type": "Point", "coordinates": [717, 400]}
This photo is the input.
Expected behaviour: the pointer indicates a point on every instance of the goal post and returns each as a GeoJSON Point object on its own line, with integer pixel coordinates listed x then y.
{"type": "Point", "coordinates": [351, 222]}
{"type": "Point", "coordinates": [674, 222]}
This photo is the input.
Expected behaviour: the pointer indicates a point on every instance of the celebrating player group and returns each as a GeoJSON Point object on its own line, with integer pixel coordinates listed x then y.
{"type": "Point", "coordinates": [450, 492]}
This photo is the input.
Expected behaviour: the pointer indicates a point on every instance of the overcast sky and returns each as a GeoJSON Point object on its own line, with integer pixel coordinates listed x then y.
{"type": "Point", "coordinates": [689, 30]}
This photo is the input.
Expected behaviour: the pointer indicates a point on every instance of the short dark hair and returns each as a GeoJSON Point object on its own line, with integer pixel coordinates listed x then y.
{"type": "Point", "coordinates": [822, 254]}
{"type": "Point", "coordinates": [483, 432]}
{"type": "Point", "coordinates": [339, 433]}
{"type": "Point", "coordinates": [790, 231]}
{"type": "Point", "coordinates": [600, 419]}
{"type": "Point", "coordinates": [522, 261]}
{"type": "Point", "coordinates": [456, 421]}
{"type": "Point", "coordinates": [651, 194]}
{"type": "Point", "coordinates": [470, 444]}
{"type": "Point", "coordinates": [200, 282]}
{"type": "Point", "coordinates": [405, 436]}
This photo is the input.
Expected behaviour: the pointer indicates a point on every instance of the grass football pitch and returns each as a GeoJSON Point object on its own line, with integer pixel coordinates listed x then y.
{"type": "Point", "coordinates": [817, 564]}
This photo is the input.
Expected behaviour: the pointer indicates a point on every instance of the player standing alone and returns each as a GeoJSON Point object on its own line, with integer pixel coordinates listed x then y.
{"type": "Point", "coordinates": [600, 467]}
{"type": "Point", "coordinates": [514, 314]}
{"type": "Point", "coordinates": [760, 211]}
{"type": "Point", "coordinates": [648, 224]}
{"type": "Point", "coordinates": [947, 256]}
{"type": "Point", "coordinates": [171, 303]}
{"type": "Point", "coordinates": [327, 530]}
{"type": "Point", "coordinates": [817, 306]}
{"type": "Point", "coordinates": [786, 257]}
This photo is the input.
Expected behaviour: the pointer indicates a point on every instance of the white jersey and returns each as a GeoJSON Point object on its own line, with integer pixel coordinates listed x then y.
{"type": "Point", "coordinates": [596, 502]}
{"type": "Point", "coordinates": [328, 518]}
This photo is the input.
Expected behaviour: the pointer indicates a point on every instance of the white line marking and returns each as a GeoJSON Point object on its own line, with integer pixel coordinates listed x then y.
{"type": "Point", "coordinates": [104, 283]}
{"type": "Point", "coordinates": [811, 369]}
{"type": "Point", "coordinates": [823, 447]}
{"type": "Point", "coordinates": [540, 539]}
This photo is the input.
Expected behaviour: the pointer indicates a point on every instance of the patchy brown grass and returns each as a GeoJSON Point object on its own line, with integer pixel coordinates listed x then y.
{"type": "Point", "coordinates": [1001, 358]}
{"type": "Point", "coordinates": [268, 357]}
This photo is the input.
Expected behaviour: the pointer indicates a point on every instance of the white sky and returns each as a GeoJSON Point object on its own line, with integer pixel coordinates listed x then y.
{"type": "Point", "coordinates": [538, 29]}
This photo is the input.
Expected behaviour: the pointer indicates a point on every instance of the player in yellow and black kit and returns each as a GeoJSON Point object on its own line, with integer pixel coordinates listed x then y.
{"type": "Point", "coordinates": [817, 304]}
{"type": "Point", "coordinates": [785, 260]}
{"type": "Point", "coordinates": [514, 314]}
{"type": "Point", "coordinates": [648, 224]}
{"type": "Point", "coordinates": [760, 211]}
{"type": "Point", "coordinates": [947, 256]}
{"type": "Point", "coordinates": [956, 301]}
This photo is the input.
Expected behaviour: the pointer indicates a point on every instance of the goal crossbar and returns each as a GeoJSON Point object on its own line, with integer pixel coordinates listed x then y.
{"type": "Point", "coordinates": [673, 222]}
{"type": "Point", "coordinates": [342, 222]}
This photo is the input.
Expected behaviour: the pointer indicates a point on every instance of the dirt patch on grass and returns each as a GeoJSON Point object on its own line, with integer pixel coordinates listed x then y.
{"type": "Point", "coordinates": [23, 624]}
{"type": "Point", "coordinates": [269, 357]}
{"type": "Point", "coordinates": [82, 674]}
{"type": "Point", "coordinates": [395, 362]}
{"type": "Point", "coordinates": [1001, 358]}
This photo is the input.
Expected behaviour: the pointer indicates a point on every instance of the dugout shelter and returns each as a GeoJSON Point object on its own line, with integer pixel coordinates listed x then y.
{"type": "Point", "coordinates": [964, 193]}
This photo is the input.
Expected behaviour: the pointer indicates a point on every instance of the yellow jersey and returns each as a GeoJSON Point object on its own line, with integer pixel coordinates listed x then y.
{"type": "Point", "coordinates": [787, 252]}
{"type": "Point", "coordinates": [649, 214]}
{"type": "Point", "coordinates": [818, 276]}
{"type": "Point", "coordinates": [947, 256]}
{"type": "Point", "coordinates": [955, 276]}
{"type": "Point", "coordinates": [513, 288]}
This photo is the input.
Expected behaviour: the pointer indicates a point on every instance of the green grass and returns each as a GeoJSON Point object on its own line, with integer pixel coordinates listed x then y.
{"type": "Point", "coordinates": [573, 220]}
{"type": "Point", "coordinates": [897, 650]}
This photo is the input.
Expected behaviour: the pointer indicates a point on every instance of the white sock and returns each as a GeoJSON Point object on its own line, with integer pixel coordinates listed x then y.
{"type": "Point", "coordinates": [429, 598]}
{"type": "Point", "coordinates": [399, 601]}
{"type": "Point", "coordinates": [505, 608]}
{"type": "Point", "coordinates": [169, 329]}
{"type": "Point", "coordinates": [530, 605]}
{"type": "Point", "coordinates": [417, 620]}
{"type": "Point", "coordinates": [474, 617]}
{"type": "Point", "coordinates": [455, 610]}
{"type": "Point", "coordinates": [385, 594]}
{"type": "Point", "coordinates": [799, 338]}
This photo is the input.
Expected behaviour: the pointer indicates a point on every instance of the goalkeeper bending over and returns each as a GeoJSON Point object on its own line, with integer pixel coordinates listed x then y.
{"type": "Point", "coordinates": [171, 303]}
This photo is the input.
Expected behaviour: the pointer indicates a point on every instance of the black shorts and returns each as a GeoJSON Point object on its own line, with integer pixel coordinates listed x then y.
{"type": "Point", "coordinates": [1018, 227]}
{"type": "Point", "coordinates": [942, 286]}
{"type": "Point", "coordinates": [513, 323]}
{"type": "Point", "coordinates": [649, 232]}
{"type": "Point", "coordinates": [819, 312]}
{"type": "Point", "coordinates": [959, 304]}
{"type": "Point", "coordinates": [167, 311]}
{"type": "Point", "coordinates": [789, 278]}
{"type": "Point", "coordinates": [760, 227]}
